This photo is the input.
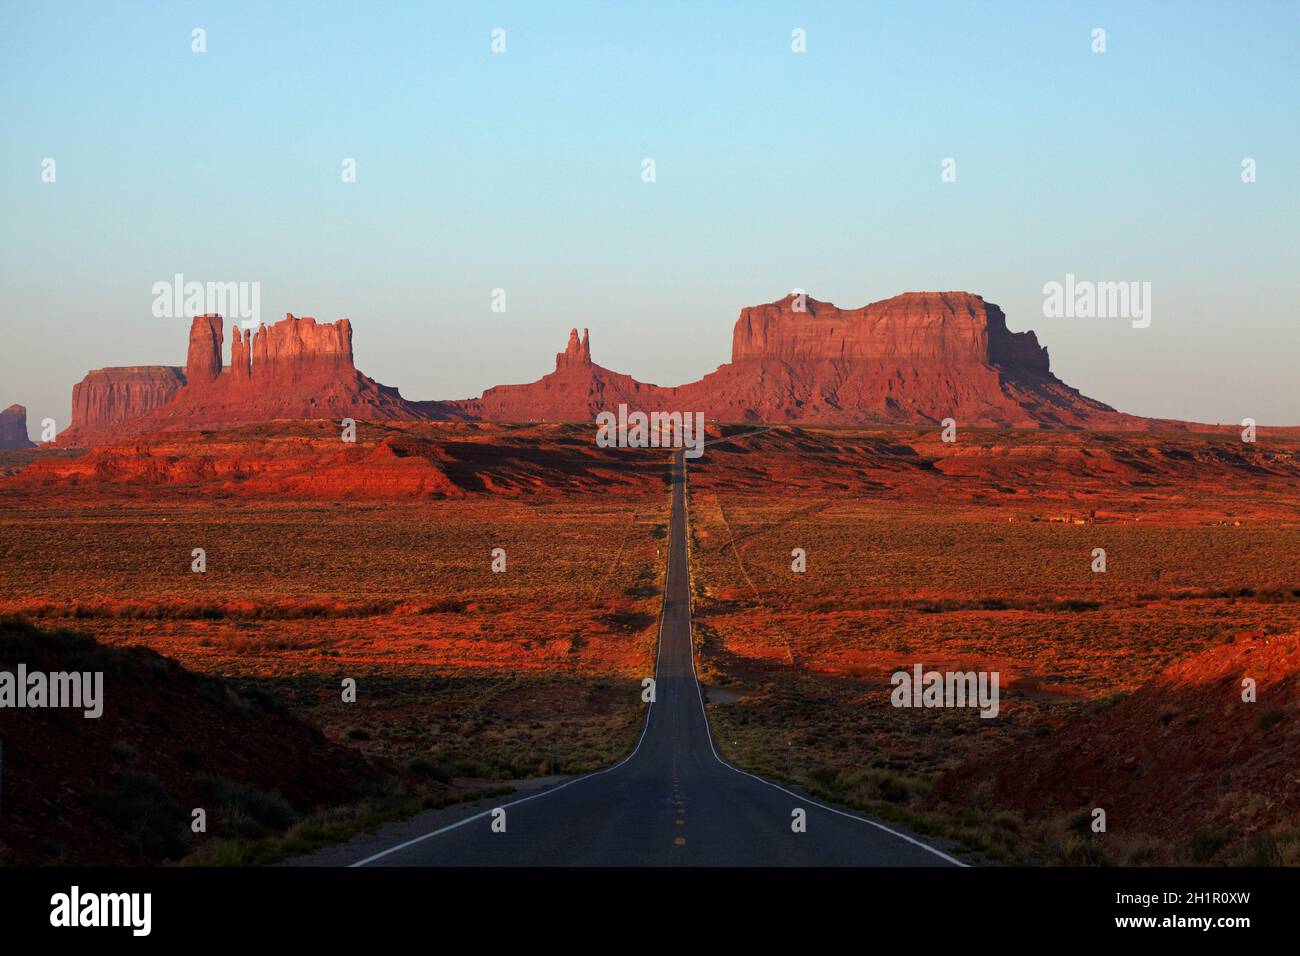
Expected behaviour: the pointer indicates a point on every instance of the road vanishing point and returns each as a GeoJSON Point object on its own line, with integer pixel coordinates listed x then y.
{"type": "Point", "coordinates": [673, 801]}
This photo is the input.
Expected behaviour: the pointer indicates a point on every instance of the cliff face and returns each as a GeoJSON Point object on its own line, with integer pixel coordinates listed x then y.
{"type": "Point", "coordinates": [241, 355]}
{"type": "Point", "coordinates": [203, 363]}
{"type": "Point", "coordinates": [298, 350]}
{"type": "Point", "coordinates": [107, 398]}
{"type": "Point", "coordinates": [952, 328]}
{"type": "Point", "coordinates": [13, 428]}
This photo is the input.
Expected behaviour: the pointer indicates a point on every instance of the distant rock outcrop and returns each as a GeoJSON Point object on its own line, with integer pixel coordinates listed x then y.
{"type": "Point", "coordinates": [917, 358]}
{"type": "Point", "coordinates": [13, 428]}
{"type": "Point", "coordinates": [295, 368]}
{"type": "Point", "coordinates": [920, 357]}
{"type": "Point", "coordinates": [575, 391]}
{"type": "Point", "coordinates": [107, 399]}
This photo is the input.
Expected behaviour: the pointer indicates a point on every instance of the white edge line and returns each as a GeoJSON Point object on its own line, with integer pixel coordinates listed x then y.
{"type": "Point", "coordinates": [645, 727]}
{"type": "Point", "coordinates": [690, 619]}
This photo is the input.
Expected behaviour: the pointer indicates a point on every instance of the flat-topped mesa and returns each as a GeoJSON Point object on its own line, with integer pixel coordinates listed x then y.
{"type": "Point", "coordinates": [952, 328]}
{"type": "Point", "coordinates": [203, 362]}
{"type": "Point", "coordinates": [107, 397]}
{"type": "Point", "coordinates": [295, 349]}
{"type": "Point", "coordinates": [577, 354]}
{"type": "Point", "coordinates": [13, 428]}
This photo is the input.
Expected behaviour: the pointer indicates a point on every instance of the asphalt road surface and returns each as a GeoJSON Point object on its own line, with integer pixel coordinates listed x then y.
{"type": "Point", "coordinates": [671, 802]}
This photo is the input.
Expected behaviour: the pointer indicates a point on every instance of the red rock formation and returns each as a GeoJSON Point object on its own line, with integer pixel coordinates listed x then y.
{"type": "Point", "coordinates": [299, 460]}
{"type": "Point", "coordinates": [299, 369]}
{"type": "Point", "coordinates": [296, 368]}
{"type": "Point", "coordinates": [575, 391]}
{"type": "Point", "coordinates": [949, 327]}
{"type": "Point", "coordinates": [918, 357]}
{"type": "Point", "coordinates": [203, 363]}
{"type": "Point", "coordinates": [107, 398]}
{"type": "Point", "coordinates": [13, 428]}
{"type": "Point", "coordinates": [298, 349]}
{"type": "Point", "coordinates": [576, 354]}
{"type": "Point", "coordinates": [241, 355]}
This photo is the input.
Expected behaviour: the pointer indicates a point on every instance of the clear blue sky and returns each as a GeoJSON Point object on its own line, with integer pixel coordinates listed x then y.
{"type": "Point", "coordinates": [775, 170]}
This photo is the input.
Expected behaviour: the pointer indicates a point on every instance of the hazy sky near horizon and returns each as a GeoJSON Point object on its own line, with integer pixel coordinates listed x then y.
{"type": "Point", "coordinates": [774, 170]}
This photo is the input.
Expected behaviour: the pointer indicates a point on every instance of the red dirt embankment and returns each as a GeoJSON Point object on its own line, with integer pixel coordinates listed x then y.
{"type": "Point", "coordinates": [120, 788]}
{"type": "Point", "coordinates": [1183, 753]}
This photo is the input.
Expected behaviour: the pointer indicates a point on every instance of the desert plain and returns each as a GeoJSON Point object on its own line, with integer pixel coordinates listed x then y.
{"type": "Point", "coordinates": [373, 562]}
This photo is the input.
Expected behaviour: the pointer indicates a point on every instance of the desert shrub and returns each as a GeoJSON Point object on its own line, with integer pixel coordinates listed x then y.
{"type": "Point", "coordinates": [1278, 848]}
{"type": "Point", "coordinates": [242, 808]}
{"type": "Point", "coordinates": [434, 769]}
{"type": "Point", "coordinates": [827, 778]}
{"type": "Point", "coordinates": [151, 821]}
{"type": "Point", "coordinates": [1271, 718]}
{"type": "Point", "coordinates": [1206, 844]}
{"type": "Point", "coordinates": [1075, 850]}
{"type": "Point", "coordinates": [190, 759]}
{"type": "Point", "coordinates": [444, 606]}
{"type": "Point", "coordinates": [124, 751]}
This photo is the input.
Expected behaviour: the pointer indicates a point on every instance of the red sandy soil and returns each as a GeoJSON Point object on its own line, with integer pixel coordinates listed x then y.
{"type": "Point", "coordinates": [1018, 474]}
{"type": "Point", "coordinates": [291, 461]}
{"type": "Point", "coordinates": [321, 566]}
{"type": "Point", "coordinates": [300, 587]}
{"type": "Point", "coordinates": [1024, 474]}
{"type": "Point", "coordinates": [952, 556]}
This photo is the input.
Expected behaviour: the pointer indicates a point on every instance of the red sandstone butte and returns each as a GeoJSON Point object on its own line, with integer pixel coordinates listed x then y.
{"type": "Point", "coordinates": [919, 357]}
{"type": "Point", "coordinates": [295, 368]}
{"type": "Point", "coordinates": [107, 399]}
{"type": "Point", "coordinates": [13, 428]}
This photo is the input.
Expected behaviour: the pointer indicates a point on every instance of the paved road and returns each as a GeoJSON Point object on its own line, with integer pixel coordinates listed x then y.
{"type": "Point", "coordinates": [672, 801]}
